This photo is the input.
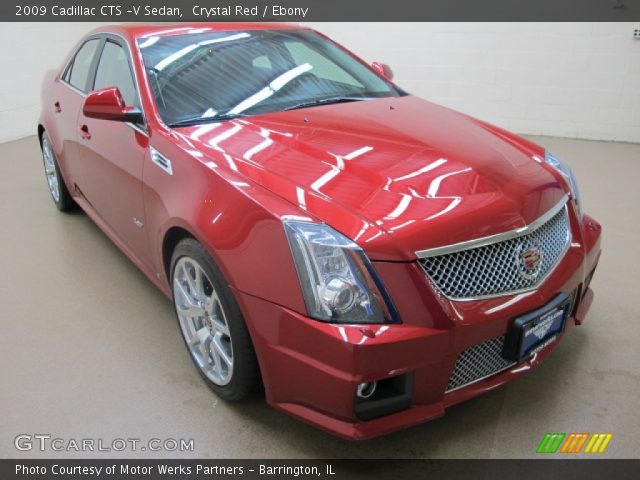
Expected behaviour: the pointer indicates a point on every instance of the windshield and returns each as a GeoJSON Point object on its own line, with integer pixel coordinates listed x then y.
{"type": "Point", "coordinates": [212, 76]}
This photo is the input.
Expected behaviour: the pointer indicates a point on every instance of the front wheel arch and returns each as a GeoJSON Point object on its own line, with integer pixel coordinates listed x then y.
{"type": "Point", "coordinates": [171, 239]}
{"type": "Point", "coordinates": [246, 372]}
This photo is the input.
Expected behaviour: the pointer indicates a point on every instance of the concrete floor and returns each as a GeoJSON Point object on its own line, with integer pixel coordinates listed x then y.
{"type": "Point", "coordinates": [89, 347]}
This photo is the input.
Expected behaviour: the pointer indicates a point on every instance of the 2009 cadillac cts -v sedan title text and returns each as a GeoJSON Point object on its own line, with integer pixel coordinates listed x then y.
{"type": "Point", "coordinates": [370, 257]}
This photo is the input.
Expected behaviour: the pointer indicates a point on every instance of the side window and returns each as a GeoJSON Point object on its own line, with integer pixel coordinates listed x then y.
{"type": "Point", "coordinates": [77, 73]}
{"type": "Point", "coordinates": [113, 71]}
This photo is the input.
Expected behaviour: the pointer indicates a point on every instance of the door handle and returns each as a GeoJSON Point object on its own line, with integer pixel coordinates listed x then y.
{"type": "Point", "coordinates": [84, 132]}
{"type": "Point", "coordinates": [57, 107]}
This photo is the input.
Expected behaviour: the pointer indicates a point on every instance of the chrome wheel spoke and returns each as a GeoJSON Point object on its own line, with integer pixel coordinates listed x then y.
{"type": "Point", "coordinates": [221, 351]}
{"type": "Point", "coordinates": [204, 345]}
{"type": "Point", "coordinates": [203, 335]}
{"type": "Point", "coordinates": [214, 310]}
{"type": "Point", "coordinates": [198, 279]}
{"type": "Point", "coordinates": [211, 302]}
{"type": "Point", "coordinates": [194, 341]}
{"type": "Point", "coordinates": [221, 326]}
{"type": "Point", "coordinates": [217, 361]}
{"type": "Point", "coordinates": [189, 306]}
{"type": "Point", "coordinates": [195, 281]}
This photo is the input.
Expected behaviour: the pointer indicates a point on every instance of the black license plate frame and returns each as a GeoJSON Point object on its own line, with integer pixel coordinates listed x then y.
{"type": "Point", "coordinates": [534, 330]}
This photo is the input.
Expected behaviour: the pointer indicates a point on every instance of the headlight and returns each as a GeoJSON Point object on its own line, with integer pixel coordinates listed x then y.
{"type": "Point", "coordinates": [565, 170]}
{"type": "Point", "coordinates": [337, 279]}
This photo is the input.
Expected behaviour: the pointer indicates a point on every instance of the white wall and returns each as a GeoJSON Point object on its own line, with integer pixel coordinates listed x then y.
{"type": "Point", "coordinates": [27, 51]}
{"type": "Point", "coordinates": [561, 79]}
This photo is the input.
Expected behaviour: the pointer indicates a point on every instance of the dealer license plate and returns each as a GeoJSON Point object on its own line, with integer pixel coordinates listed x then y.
{"type": "Point", "coordinates": [535, 330]}
{"type": "Point", "coordinates": [540, 332]}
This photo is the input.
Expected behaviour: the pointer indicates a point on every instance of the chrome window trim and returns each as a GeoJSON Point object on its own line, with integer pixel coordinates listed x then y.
{"type": "Point", "coordinates": [143, 131]}
{"type": "Point", "coordinates": [75, 89]}
{"type": "Point", "coordinates": [138, 129]}
{"type": "Point", "coordinates": [499, 237]}
{"type": "Point", "coordinates": [96, 36]}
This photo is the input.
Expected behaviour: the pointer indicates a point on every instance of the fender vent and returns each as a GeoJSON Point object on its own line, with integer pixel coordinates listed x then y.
{"type": "Point", "coordinates": [161, 161]}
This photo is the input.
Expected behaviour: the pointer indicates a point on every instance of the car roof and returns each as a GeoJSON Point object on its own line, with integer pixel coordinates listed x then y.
{"type": "Point", "coordinates": [135, 31]}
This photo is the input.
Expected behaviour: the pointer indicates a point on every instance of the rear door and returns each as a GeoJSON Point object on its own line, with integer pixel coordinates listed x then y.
{"type": "Point", "coordinates": [113, 153]}
{"type": "Point", "coordinates": [66, 101]}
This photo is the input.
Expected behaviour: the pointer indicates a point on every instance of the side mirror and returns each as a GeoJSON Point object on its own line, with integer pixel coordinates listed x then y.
{"type": "Point", "coordinates": [108, 104]}
{"type": "Point", "coordinates": [383, 69]}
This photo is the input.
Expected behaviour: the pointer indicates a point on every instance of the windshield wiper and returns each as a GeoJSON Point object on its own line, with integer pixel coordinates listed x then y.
{"type": "Point", "coordinates": [230, 116]}
{"type": "Point", "coordinates": [200, 120]}
{"type": "Point", "coordinates": [325, 101]}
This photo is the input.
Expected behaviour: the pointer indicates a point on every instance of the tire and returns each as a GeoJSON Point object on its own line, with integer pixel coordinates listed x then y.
{"type": "Point", "coordinates": [211, 323]}
{"type": "Point", "coordinates": [58, 189]}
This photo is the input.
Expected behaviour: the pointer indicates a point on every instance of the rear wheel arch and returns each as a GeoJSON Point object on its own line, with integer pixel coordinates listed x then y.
{"type": "Point", "coordinates": [57, 185]}
{"type": "Point", "coordinates": [40, 133]}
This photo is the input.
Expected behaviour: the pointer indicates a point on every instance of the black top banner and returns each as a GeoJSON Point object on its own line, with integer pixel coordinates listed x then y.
{"type": "Point", "coordinates": [318, 10]}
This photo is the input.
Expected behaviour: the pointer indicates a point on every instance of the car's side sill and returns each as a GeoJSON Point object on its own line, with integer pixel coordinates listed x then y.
{"type": "Point", "coordinates": [108, 231]}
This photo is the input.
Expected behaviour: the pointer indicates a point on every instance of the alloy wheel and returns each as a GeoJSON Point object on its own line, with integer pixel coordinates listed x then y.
{"type": "Point", "coordinates": [50, 169]}
{"type": "Point", "coordinates": [203, 320]}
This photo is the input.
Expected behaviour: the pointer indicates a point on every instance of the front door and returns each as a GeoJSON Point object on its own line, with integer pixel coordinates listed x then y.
{"type": "Point", "coordinates": [113, 154]}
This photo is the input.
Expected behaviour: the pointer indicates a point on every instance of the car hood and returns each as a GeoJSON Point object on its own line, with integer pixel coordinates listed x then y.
{"type": "Point", "coordinates": [396, 175]}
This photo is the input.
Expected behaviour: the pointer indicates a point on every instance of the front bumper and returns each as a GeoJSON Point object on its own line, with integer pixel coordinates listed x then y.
{"type": "Point", "coordinates": [311, 369]}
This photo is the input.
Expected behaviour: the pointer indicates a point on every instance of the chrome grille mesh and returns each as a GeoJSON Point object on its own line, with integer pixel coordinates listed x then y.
{"type": "Point", "coordinates": [478, 362]}
{"type": "Point", "coordinates": [495, 269]}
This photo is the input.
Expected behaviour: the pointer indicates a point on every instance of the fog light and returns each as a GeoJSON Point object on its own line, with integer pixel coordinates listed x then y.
{"type": "Point", "coordinates": [366, 389]}
{"type": "Point", "coordinates": [383, 397]}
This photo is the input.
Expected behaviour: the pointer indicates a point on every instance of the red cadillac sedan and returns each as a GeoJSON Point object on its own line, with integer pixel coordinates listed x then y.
{"type": "Point", "coordinates": [371, 258]}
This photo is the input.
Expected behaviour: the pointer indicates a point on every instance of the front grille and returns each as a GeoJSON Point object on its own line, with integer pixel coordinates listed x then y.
{"type": "Point", "coordinates": [502, 267]}
{"type": "Point", "coordinates": [478, 362]}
